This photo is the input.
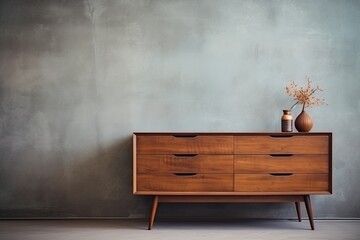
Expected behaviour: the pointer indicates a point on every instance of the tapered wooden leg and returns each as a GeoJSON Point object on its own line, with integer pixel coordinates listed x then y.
{"type": "Point", "coordinates": [309, 211]}
{"type": "Point", "coordinates": [298, 210]}
{"type": "Point", "coordinates": [153, 211]}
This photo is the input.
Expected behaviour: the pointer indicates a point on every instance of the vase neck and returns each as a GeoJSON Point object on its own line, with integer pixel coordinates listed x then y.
{"type": "Point", "coordinates": [303, 107]}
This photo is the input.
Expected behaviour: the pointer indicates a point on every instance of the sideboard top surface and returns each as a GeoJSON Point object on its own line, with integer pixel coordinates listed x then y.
{"type": "Point", "coordinates": [234, 133]}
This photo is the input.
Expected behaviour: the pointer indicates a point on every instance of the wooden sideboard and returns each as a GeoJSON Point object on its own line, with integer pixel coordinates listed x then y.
{"type": "Point", "coordinates": [232, 167]}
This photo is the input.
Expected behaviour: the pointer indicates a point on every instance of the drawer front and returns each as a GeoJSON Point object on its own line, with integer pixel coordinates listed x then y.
{"type": "Point", "coordinates": [185, 163]}
{"type": "Point", "coordinates": [267, 144]}
{"type": "Point", "coordinates": [186, 183]}
{"type": "Point", "coordinates": [282, 164]}
{"type": "Point", "coordinates": [184, 144]}
{"type": "Point", "coordinates": [271, 183]}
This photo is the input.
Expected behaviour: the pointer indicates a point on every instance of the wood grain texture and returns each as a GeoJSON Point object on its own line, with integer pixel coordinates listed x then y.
{"type": "Point", "coordinates": [178, 144]}
{"type": "Point", "coordinates": [134, 167]}
{"type": "Point", "coordinates": [234, 199]}
{"type": "Point", "coordinates": [287, 144]}
{"type": "Point", "coordinates": [268, 182]}
{"type": "Point", "coordinates": [198, 182]}
{"type": "Point", "coordinates": [156, 154]}
{"type": "Point", "coordinates": [182, 164]}
{"type": "Point", "coordinates": [231, 193]}
{"type": "Point", "coordinates": [279, 164]}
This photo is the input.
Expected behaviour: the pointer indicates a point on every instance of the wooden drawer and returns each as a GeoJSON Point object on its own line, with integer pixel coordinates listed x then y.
{"type": "Point", "coordinates": [282, 164]}
{"type": "Point", "coordinates": [271, 183]}
{"type": "Point", "coordinates": [184, 144]}
{"type": "Point", "coordinates": [185, 163]}
{"type": "Point", "coordinates": [186, 183]}
{"type": "Point", "coordinates": [267, 144]}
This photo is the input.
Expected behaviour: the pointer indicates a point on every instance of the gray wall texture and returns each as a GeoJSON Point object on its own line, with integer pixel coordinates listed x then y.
{"type": "Point", "coordinates": [78, 77]}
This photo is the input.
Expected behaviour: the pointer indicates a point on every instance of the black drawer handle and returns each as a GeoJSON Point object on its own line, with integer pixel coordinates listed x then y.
{"type": "Point", "coordinates": [281, 174]}
{"type": "Point", "coordinates": [184, 174]}
{"type": "Point", "coordinates": [185, 155]}
{"type": "Point", "coordinates": [281, 136]}
{"type": "Point", "coordinates": [185, 136]}
{"type": "Point", "coordinates": [281, 155]}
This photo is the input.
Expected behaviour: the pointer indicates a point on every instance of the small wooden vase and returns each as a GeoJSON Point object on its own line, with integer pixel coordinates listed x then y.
{"type": "Point", "coordinates": [303, 122]}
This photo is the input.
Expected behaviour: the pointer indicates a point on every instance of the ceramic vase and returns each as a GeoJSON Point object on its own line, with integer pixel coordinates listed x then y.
{"type": "Point", "coordinates": [303, 122]}
{"type": "Point", "coordinates": [286, 121]}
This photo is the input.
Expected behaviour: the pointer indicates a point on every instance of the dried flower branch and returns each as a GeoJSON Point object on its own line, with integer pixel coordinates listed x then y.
{"type": "Point", "coordinates": [304, 95]}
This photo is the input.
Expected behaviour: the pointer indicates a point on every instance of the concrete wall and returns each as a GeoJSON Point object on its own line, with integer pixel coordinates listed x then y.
{"type": "Point", "coordinates": [78, 77]}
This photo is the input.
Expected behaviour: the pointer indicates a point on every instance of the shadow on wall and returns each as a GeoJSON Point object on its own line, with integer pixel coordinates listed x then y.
{"type": "Point", "coordinates": [101, 186]}
{"type": "Point", "coordinates": [74, 185]}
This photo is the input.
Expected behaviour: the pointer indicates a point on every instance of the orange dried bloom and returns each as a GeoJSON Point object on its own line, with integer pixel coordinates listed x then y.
{"type": "Point", "coordinates": [304, 95]}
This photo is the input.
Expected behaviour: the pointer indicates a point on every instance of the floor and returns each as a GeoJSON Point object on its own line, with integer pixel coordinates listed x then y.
{"type": "Point", "coordinates": [175, 229]}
